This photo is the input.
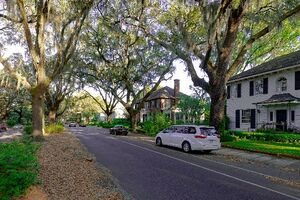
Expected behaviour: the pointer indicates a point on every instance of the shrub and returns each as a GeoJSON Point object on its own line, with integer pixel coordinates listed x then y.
{"type": "Point", "coordinates": [19, 166]}
{"type": "Point", "coordinates": [121, 121]}
{"type": "Point", "coordinates": [158, 123]}
{"type": "Point", "coordinates": [107, 125]}
{"type": "Point", "coordinates": [179, 122]}
{"type": "Point", "coordinates": [117, 121]}
{"type": "Point", "coordinates": [227, 138]}
{"type": "Point", "coordinates": [226, 122]}
{"type": "Point", "coordinates": [54, 128]}
{"type": "Point", "coordinates": [11, 122]}
{"type": "Point", "coordinates": [268, 136]}
{"type": "Point", "coordinates": [28, 129]}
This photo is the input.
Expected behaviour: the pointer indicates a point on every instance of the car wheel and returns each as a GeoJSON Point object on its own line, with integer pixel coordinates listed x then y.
{"type": "Point", "coordinates": [186, 147]}
{"type": "Point", "coordinates": [158, 141]}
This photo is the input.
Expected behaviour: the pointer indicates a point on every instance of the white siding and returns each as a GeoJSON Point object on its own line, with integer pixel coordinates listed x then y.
{"type": "Point", "coordinates": [247, 101]}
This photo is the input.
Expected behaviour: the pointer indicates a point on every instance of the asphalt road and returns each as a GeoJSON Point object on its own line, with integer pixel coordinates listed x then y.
{"type": "Point", "coordinates": [145, 172]}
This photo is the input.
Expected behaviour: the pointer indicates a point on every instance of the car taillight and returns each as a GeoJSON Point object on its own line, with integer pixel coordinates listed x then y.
{"type": "Point", "coordinates": [200, 136]}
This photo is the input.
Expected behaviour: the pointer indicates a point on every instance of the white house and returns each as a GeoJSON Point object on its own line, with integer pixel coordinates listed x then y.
{"type": "Point", "coordinates": [266, 96]}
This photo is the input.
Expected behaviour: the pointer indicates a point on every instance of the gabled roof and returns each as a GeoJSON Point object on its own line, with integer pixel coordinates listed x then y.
{"type": "Point", "coordinates": [163, 93]}
{"type": "Point", "coordinates": [279, 63]}
{"type": "Point", "coordinates": [280, 98]}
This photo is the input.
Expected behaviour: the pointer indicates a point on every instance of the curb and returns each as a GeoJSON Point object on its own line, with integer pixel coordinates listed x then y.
{"type": "Point", "coordinates": [278, 155]}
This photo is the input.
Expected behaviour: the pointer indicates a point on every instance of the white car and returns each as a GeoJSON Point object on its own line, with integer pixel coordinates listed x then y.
{"type": "Point", "coordinates": [190, 137]}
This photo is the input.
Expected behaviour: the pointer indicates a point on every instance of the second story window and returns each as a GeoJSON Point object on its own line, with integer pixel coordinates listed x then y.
{"type": "Point", "coordinates": [237, 90]}
{"type": "Point", "coordinates": [282, 84]}
{"type": "Point", "coordinates": [259, 87]}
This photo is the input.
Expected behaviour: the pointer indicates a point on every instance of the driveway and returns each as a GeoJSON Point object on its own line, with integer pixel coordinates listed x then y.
{"type": "Point", "coordinates": [145, 171]}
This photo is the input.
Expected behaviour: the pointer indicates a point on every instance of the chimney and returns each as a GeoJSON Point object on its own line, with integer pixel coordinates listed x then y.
{"type": "Point", "coordinates": [176, 87]}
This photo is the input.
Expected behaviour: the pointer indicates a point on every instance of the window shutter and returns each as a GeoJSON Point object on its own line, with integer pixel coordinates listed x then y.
{"type": "Point", "coordinates": [252, 119]}
{"type": "Point", "coordinates": [228, 92]}
{"type": "Point", "coordinates": [239, 90]}
{"type": "Point", "coordinates": [265, 89]}
{"type": "Point", "coordinates": [251, 88]}
{"type": "Point", "coordinates": [297, 80]}
{"type": "Point", "coordinates": [292, 115]}
{"type": "Point", "coordinates": [237, 119]}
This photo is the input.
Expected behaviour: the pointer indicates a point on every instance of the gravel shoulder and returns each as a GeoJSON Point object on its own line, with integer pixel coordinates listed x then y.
{"type": "Point", "coordinates": [68, 171]}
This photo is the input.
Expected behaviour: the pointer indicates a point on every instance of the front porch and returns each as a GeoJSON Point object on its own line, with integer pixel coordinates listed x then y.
{"type": "Point", "coordinates": [278, 113]}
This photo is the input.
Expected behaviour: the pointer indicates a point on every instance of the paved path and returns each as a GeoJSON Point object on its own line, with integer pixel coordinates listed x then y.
{"type": "Point", "coordinates": [148, 172]}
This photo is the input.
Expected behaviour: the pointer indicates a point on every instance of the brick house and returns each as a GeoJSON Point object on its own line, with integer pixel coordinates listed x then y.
{"type": "Point", "coordinates": [163, 100]}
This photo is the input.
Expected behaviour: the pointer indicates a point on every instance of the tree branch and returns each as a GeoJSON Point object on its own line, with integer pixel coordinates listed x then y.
{"type": "Point", "coordinates": [240, 57]}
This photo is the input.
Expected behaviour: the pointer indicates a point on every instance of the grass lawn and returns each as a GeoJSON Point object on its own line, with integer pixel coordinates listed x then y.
{"type": "Point", "coordinates": [18, 168]}
{"type": "Point", "coordinates": [286, 149]}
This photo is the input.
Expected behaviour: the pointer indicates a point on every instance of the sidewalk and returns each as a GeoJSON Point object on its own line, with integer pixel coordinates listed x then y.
{"type": "Point", "coordinates": [252, 156]}
{"type": "Point", "coordinates": [10, 134]}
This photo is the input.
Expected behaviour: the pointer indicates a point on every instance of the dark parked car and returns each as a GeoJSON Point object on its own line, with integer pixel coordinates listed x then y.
{"type": "Point", "coordinates": [119, 130]}
{"type": "Point", "coordinates": [72, 124]}
{"type": "Point", "coordinates": [3, 128]}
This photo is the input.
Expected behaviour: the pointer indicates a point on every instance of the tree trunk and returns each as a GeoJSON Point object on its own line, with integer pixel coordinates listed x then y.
{"type": "Point", "coordinates": [108, 117]}
{"type": "Point", "coordinates": [52, 115]}
{"type": "Point", "coordinates": [133, 120]}
{"type": "Point", "coordinates": [133, 123]}
{"type": "Point", "coordinates": [217, 108]}
{"type": "Point", "coordinates": [37, 113]}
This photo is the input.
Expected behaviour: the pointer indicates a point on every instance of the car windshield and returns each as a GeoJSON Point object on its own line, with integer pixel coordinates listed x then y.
{"type": "Point", "coordinates": [208, 131]}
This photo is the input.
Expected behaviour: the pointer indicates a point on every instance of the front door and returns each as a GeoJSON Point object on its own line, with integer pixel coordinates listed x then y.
{"type": "Point", "coordinates": [281, 119]}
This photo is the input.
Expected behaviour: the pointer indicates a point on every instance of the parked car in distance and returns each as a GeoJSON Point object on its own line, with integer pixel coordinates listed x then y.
{"type": "Point", "coordinates": [72, 124]}
{"type": "Point", "coordinates": [190, 137]}
{"type": "Point", "coordinates": [119, 130]}
{"type": "Point", "coordinates": [3, 128]}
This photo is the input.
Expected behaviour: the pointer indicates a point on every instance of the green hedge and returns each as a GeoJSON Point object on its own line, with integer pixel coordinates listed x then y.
{"type": "Point", "coordinates": [157, 124]}
{"type": "Point", "coordinates": [225, 137]}
{"type": "Point", "coordinates": [117, 121]}
{"type": "Point", "coordinates": [18, 168]}
{"type": "Point", "coordinates": [269, 136]}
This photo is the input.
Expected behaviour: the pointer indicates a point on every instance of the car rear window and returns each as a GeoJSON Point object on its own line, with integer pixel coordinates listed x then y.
{"type": "Point", "coordinates": [208, 131]}
{"type": "Point", "coordinates": [185, 129]}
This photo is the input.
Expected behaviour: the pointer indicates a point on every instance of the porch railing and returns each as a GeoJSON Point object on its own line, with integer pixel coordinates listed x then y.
{"type": "Point", "coordinates": [275, 125]}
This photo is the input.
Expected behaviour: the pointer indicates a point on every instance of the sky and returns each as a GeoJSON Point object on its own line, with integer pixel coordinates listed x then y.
{"type": "Point", "coordinates": [182, 75]}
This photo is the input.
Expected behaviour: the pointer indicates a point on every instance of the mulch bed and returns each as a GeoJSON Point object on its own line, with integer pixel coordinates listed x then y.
{"type": "Point", "coordinates": [68, 171]}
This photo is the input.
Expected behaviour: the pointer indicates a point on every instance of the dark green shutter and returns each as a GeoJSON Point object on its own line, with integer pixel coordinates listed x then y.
{"type": "Point", "coordinates": [237, 119]}
{"type": "Point", "coordinates": [228, 92]}
{"type": "Point", "coordinates": [252, 119]}
{"type": "Point", "coordinates": [251, 88]}
{"type": "Point", "coordinates": [297, 80]}
{"type": "Point", "coordinates": [239, 90]}
{"type": "Point", "coordinates": [265, 86]}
